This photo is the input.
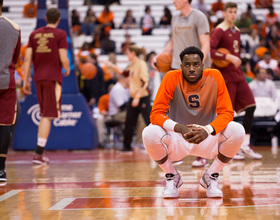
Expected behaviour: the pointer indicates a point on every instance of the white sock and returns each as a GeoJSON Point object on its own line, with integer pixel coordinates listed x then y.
{"type": "Point", "coordinates": [216, 166]}
{"type": "Point", "coordinates": [167, 167]}
{"type": "Point", "coordinates": [246, 141]}
{"type": "Point", "coordinates": [41, 142]}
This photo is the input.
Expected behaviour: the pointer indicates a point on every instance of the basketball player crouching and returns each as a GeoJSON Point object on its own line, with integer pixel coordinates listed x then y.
{"type": "Point", "coordinates": [192, 115]}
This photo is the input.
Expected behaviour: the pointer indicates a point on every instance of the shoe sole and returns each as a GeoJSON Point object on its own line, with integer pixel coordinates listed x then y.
{"type": "Point", "coordinates": [3, 179]}
{"type": "Point", "coordinates": [38, 162]}
{"type": "Point", "coordinates": [240, 158]}
{"type": "Point", "coordinates": [171, 196]}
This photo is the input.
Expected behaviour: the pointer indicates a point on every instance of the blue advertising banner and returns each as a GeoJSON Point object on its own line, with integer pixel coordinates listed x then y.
{"type": "Point", "coordinates": [76, 127]}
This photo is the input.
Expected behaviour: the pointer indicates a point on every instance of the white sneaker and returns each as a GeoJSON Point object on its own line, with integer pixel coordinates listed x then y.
{"type": "Point", "coordinates": [200, 162]}
{"type": "Point", "coordinates": [248, 151]}
{"type": "Point", "coordinates": [173, 182]}
{"type": "Point", "coordinates": [210, 183]}
{"type": "Point", "coordinates": [239, 156]}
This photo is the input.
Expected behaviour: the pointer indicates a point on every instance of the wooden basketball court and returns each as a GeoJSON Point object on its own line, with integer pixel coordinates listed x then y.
{"type": "Point", "coordinates": [104, 184]}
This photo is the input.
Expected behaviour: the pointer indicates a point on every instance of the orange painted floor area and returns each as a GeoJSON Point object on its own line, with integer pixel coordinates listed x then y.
{"type": "Point", "coordinates": [104, 184]}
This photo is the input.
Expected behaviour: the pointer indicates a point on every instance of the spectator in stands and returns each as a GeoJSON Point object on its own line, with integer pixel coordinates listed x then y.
{"type": "Point", "coordinates": [273, 41]}
{"type": "Point", "coordinates": [107, 45]}
{"type": "Point", "coordinates": [268, 62]}
{"type": "Point", "coordinates": [263, 3]}
{"type": "Point", "coordinates": [244, 23]}
{"type": "Point", "coordinates": [88, 26]}
{"type": "Point", "coordinates": [165, 20]}
{"type": "Point", "coordinates": [271, 17]}
{"type": "Point", "coordinates": [261, 28]}
{"type": "Point", "coordinates": [253, 40]}
{"type": "Point", "coordinates": [94, 88]}
{"type": "Point", "coordinates": [201, 6]}
{"type": "Point", "coordinates": [78, 37]}
{"type": "Point", "coordinates": [247, 70]}
{"type": "Point", "coordinates": [127, 42]}
{"type": "Point", "coordinates": [84, 52]}
{"type": "Point", "coordinates": [250, 14]}
{"type": "Point", "coordinates": [147, 22]}
{"type": "Point", "coordinates": [106, 20]}
{"type": "Point", "coordinates": [259, 50]}
{"type": "Point", "coordinates": [261, 86]}
{"type": "Point", "coordinates": [30, 9]}
{"type": "Point", "coordinates": [129, 21]}
{"type": "Point", "coordinates": [217, 6]}
{"type": "Point", "coordinates": [75, 18]}
{"type": "Point", "coordinates": [118, 98]}
{"type": "Point", "coordinates": [265, 93]}
{"type": "Point", "coordinates": [270, 74]}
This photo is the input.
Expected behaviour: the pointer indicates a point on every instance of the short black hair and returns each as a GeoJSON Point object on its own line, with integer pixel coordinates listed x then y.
{"type": "Point", "coordinates": [1, 2]}
{"type": "Point", "coordinates": [191, 50]}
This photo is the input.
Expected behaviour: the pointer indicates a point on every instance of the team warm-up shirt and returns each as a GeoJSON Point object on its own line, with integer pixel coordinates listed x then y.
{"type": "Point", "coordinates": [186, 32]}
{"type": "Point", "coordinates": [206, 102]}
{"type": "Point", "coordinates": [225, 37]}
{"type": "Point", "coordinates": [45, 43]}
{"type": "Point", "coordinates": [10, 50]}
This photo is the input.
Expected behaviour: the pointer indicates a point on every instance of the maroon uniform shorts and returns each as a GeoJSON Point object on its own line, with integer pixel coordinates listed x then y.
{"type": "Point", "coordinates": [241, 95]}
{"type": "Point", "coordinates": [49, 98]}
{"type": "Point", "coordinates": [8, 106]}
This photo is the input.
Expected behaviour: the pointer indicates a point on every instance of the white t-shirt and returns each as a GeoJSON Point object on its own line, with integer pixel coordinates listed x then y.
{"type": "Point", "coordinates": [117, 97]}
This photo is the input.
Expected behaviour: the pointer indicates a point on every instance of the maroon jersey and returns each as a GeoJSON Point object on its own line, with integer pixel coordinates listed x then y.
{"type": "Point", "coordinates": [225, 37]}
{"type": "Point", "coordinates": [45, 43]}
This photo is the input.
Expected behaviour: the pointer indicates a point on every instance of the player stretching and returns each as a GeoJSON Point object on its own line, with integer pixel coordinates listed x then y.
{"type": "Point", "coordinates": [226, 35]}
{"type": "Point", "coordinates": [192, 115]}
{"type": "Point", "coordinates": [47, 48]}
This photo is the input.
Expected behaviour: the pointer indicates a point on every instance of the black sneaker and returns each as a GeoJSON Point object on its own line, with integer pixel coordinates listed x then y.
{"type": "Point", "coordinates": [3, 177]}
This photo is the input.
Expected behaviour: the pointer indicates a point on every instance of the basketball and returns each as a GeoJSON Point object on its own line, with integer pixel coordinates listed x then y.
{"type": "Point", "coordinates": [88, 70]}
{"type": "Point", "coordinates": [164, 62]}
{"type": "Point", "coordinates": [222, 63]}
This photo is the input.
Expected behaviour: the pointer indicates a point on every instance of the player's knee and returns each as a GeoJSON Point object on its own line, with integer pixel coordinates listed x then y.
{"type": "Point", "coordinates": [237, 131]}
{"type": "Point", "coordinates": [151, 134]}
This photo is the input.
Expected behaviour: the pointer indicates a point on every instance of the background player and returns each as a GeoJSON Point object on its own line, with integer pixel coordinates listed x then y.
{"type": "Point", "coordinates": [10, 50]}
{"type": "Point", "coordinates": [226, 35]}
{"type": "Point", "coordinates": [47, 48]}
{"type": "Point", "coordinates": [199, 122]}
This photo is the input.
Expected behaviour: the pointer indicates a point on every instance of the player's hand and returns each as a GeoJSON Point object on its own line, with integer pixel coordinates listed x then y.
{"type": "Point", "coordinates": [184, 130]}
{"type": "Point", "coordinates": [67, 72]}
{"type": "Point", "coordinates": [153, 63]}
{"type": "Point", "coordinates": [27, 88]}
{"type": "Point", "coordinates": [135, 102]}
{"type": "Point", "coordinates": [197, 135]}
{"type": "Point", "coordinates": [236, 61]}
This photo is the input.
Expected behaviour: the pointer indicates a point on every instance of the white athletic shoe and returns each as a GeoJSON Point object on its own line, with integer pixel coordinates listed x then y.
{"type": "Point", "coordinates": [210, 183]}
{"type": "Point", "coordinates": [239, 156]}
{"type": "Point", "coordinates": [248, 151]}
{"type": "Point", "coordinates": [200, 162]}
{"type": "Point", "coordinates": [173, 182]}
